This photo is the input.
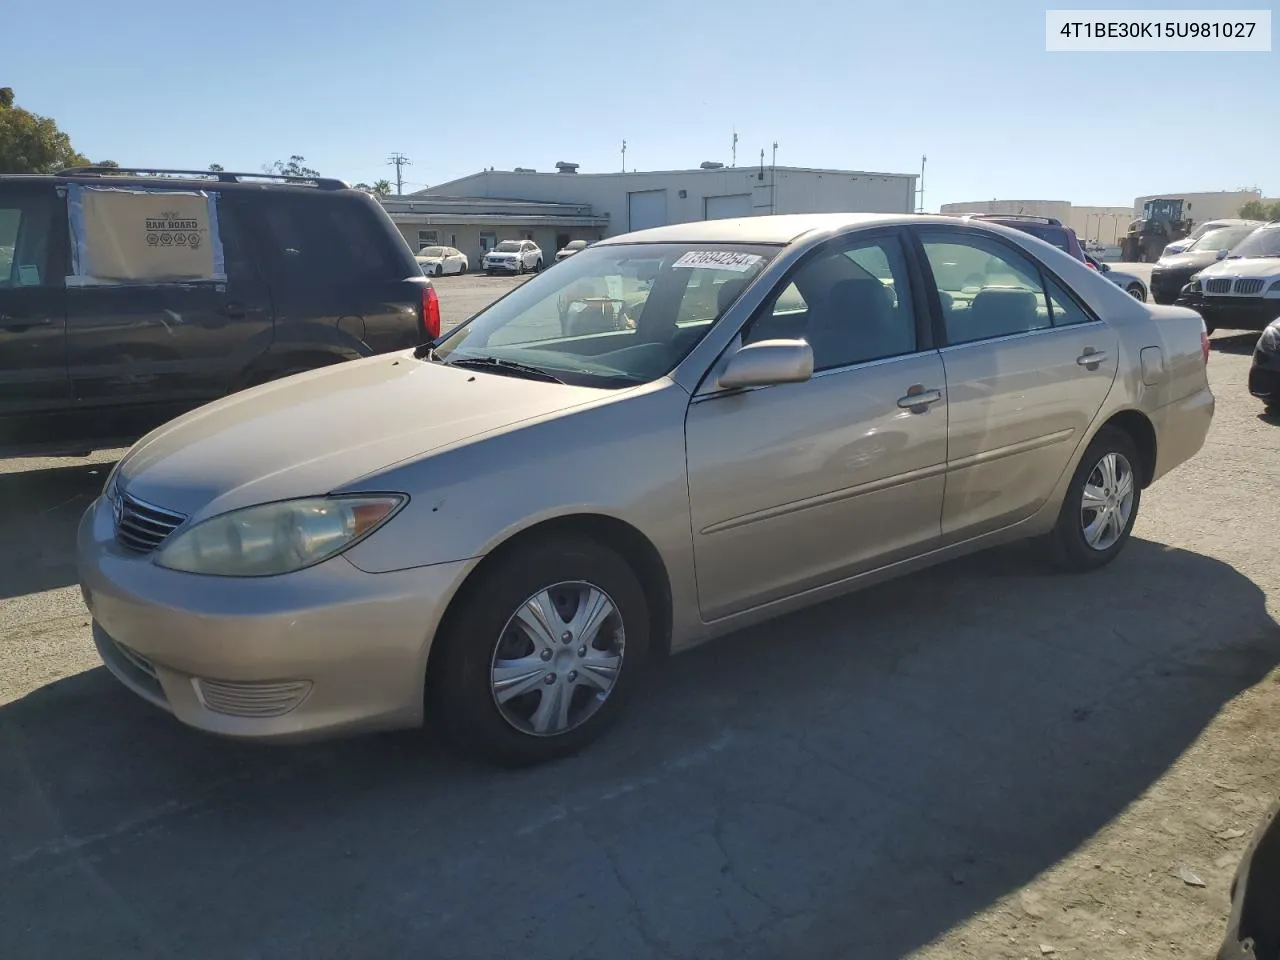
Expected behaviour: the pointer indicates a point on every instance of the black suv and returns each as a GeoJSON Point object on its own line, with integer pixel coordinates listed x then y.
{"type": "Point", "coordinates": [297, 274]}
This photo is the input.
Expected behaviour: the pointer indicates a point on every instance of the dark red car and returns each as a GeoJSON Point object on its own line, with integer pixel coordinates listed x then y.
{"type": "Point", "coordinates": [1046, 228]}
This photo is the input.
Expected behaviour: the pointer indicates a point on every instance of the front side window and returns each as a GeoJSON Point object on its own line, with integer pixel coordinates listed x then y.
{"type": "Point", "coordinates": [852, 304]}
{"type": "Point", "coordinates": [987, 289]}
{"type": "Point", "coordinates": [611, 316]}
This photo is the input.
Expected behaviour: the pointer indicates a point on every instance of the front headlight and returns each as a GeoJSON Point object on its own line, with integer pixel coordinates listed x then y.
{"type": "Point", "coordinates": [1273, 290]}
{"type": "Point", "coordinates": [275, 538]}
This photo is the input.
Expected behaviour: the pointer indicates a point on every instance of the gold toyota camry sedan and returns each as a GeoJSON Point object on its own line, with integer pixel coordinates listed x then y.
{"type": "Point", "coordinates": [673, 434]}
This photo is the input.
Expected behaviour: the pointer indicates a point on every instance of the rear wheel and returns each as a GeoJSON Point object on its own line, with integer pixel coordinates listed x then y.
{"type": "Point", "coordinates": [1101, 504]}
{"type": "Point", "coordinates": [542, 653]}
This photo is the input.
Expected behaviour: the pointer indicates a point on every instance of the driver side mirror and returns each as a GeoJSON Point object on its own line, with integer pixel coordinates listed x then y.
{"type": "Point", "coordinates": [1104, 267]}
{"type": "Point", "coordinates": [1222, 254]}
{"type": "Point", "coordinates": [768, 362]}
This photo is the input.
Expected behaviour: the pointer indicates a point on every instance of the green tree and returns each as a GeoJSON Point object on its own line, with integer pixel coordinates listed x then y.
{"type": "Point", "coordinates": [216, 168]}
{"type": "Point", "coordinates": [1260, 210]}
{"type": "Point", "coordinates": [295, 167]}
{"type": "Point", "coordinates": [382, 188]}
{"type": "Point", "coordinates": [30, 143]}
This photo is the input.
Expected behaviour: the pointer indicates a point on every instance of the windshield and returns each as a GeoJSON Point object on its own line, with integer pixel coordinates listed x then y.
{"type": "Point", "coordinates": [612, 316]}
{"type": "Point", "coordinates": [1223, 238]}
{"type": "Point", "coordinates": [1263, 242]}
{"type": "Point", "coordinates": [575, 245]}
{"type": "Point", "coordinates": [508, 246]}
{"type": "Point", "coordinates": [431, 252]}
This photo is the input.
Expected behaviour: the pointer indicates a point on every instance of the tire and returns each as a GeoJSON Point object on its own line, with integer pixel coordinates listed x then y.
{"type": "Point", "coordinates": [1209, 328]}
{"type": "Point", "coordinates": [1135, 290]}
{"type": "Point", "coordinates": [460, 686]}
{"type": "Point", "coordinates": [462, 269]}
{"type": "Point", "coordinates": [439, 270]}
{"type": "Point", "coordinates": [1069, 547]}
{"type": "Point", "coordinates": [537, 267]}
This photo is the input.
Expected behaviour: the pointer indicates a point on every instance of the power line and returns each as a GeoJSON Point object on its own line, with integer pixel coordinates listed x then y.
{"type": "Point", "coordinates": [399, 161]}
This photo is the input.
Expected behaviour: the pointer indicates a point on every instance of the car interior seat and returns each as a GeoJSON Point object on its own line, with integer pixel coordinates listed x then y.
{"type": "Point", "coordinates": [856, 321]}
{"type": "Point", "coordinates": [998, 312]}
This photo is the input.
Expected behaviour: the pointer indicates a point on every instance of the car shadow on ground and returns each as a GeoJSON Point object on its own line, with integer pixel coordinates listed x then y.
{"type": "Point", "coordinates": [39, 513]}
{"type": "Point", "coordinates": [1241, 344]}
{"type": "Point", "coordinates": [850, 781]}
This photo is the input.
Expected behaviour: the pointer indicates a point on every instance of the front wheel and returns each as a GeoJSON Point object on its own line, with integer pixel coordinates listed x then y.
{"type": "Point", "coordinates": [542, 653]}
{"type": "Point", "coordinates": [439, 270]}
{"type": "Point", "coordinates": [1101, 504]}
{"type": "Point", "coordinates": [537, 267]}
{"type": "Point", "coordinates": [1135, 290]}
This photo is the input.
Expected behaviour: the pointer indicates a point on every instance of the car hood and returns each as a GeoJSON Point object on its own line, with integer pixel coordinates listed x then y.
{"type": "Point", "coordinates": [1188, 261]}
{"type": "Point", "coordinates": [430, 259]}
{"type": "Point", "coordinates": [1253, 267]}
{"type": "Point", "coordinates": [316, 432]}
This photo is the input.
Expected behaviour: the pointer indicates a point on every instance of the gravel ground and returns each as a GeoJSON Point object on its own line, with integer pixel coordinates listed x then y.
{"type": "Point", "coordinates": [984, 760]}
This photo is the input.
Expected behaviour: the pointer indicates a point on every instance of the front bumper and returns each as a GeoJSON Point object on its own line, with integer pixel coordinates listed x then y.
{"type": "Point", "coordinates": [1166, 285]}
{"type": "Point", "coordinates": [1264, 376]}
{"type": "Point", "coordinates": [1233, 313]}
{"type": "Point", "coordinates": [325, 650]}
{"type": "Point", "coordinates": [508, 266]}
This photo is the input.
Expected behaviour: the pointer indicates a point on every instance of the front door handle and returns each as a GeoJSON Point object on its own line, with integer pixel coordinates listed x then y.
{"type": "Point", "coordinates": [918, 399]}
{"type": "Point", "coordinates": [1091, 358]}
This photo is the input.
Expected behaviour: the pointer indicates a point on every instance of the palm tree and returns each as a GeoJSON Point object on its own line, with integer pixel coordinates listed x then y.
{"type": "Point", "coordinates": [382, 188]}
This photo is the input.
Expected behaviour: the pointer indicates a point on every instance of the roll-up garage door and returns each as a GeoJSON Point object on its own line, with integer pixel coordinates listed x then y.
{"type": "Point", "coordinates": [726, 208]}
{"type": "Point", "coordinates": [646, 208]}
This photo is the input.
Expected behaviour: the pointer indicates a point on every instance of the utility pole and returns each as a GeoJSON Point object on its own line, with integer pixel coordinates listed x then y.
{"type": "Point", "coordinates": [624, 156]}
{"type": "Point", "coordinates": [775, 153]}
{"type": "Point", "coordinates": [920, 191]}
{"type": "Point", "coordinates": [735, 148]}
{"type": "Point", "coordinates": [399, 161]}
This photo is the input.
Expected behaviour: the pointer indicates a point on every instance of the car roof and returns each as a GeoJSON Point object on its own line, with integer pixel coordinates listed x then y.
{"type": "Point", "coordinates": [187, 179]}
{"type": "Point", "coordinates": [788, 228]}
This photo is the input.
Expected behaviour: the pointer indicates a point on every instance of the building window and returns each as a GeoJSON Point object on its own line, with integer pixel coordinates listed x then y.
{"type": "Point", "coordinates": [427, 238]}
{"type": "Point", "coordinates": [488, 241]}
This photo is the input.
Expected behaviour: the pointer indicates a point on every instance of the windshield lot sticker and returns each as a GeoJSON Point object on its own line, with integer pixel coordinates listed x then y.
{"type": "Point", "coordinates": [717, 260]}
{"type": "Point", "coordinates": [28, 275]}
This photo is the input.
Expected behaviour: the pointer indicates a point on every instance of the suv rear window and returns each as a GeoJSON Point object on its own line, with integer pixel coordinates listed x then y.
{"type": "Point", "coordinates": [1049, 234]}
{"type": "Point", "coordinates": [329, 241]}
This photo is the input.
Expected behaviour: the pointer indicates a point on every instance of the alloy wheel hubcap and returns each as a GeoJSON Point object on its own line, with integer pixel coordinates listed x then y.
{"type": "Point", "coordinates": [557, 659]}
{"type": "Point", "coordinates": [1107, 503]}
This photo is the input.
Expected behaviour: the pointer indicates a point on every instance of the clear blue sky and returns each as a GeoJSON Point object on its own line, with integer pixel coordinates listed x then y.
{"type": "Point", "coordinates": [849, 85]}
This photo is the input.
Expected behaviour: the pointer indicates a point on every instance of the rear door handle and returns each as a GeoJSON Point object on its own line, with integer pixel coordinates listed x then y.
{"type": "Point", "coordinates": [918, 399]}
{"type": "Point", "coordinates": [1091, 358]}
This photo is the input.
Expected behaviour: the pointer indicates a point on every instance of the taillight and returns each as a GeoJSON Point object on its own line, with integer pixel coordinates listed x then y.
{"type": "Point", "coordinates": [1204, 344]}
{"type": "Point", "coordinates": [430, 313]}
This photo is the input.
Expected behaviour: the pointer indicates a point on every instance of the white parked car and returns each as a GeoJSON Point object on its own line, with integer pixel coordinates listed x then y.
{"type": "Point", "coordinates": [514, 256]}
{"type": "Point", "coordinates": [570, 248]}
{"type": "Point", "coordinates": [1179, 246]}
{"type": "Point", "coordinates": [436, 261]}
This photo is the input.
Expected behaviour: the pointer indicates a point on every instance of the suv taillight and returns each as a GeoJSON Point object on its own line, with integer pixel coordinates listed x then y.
{"type": "Point", "coordinates": [1204, 344]}
{"type": "Point", "coordinates": [430, 313]}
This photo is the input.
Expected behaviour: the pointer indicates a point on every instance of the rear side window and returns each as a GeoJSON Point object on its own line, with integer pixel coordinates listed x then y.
{"type": "Point", "coordinates": [329, 241]}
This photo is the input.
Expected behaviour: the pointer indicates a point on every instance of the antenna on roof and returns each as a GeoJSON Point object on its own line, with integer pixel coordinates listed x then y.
{"type": "Point", "coordinates": [624, 156]}
{"type": "Point", "coordinates": [735, 148]}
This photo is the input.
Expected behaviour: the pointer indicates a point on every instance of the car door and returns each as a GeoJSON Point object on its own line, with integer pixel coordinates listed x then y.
{"type": "Point", "coordinates": [139, 353]}
{"type": "Point", "coordinates": [1021, 385]}
{"type": "Point", "coordinates": [34, 386]}
{"type": "Point", "coordinates": [794, 486]}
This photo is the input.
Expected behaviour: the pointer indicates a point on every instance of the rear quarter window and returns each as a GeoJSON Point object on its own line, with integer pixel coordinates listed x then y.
{"type": "Point", "coordinates": [330, 241]}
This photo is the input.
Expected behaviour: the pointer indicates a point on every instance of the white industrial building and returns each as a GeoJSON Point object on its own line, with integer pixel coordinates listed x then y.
{"type": "Point", "coordinates": [1218, 205]}
{"type": "Point", "coordinates": [475, 212]}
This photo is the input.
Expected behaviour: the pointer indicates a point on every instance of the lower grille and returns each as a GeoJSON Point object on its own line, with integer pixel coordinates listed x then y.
{"type": "Point", "coordinates": [271, 699]}
{"type": "Point", "coordinates": [142, 527]}
{"type": "Point", "coordinates": [1248, 288]}
{"type": "Point", "coordinates": [1217, 285]}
